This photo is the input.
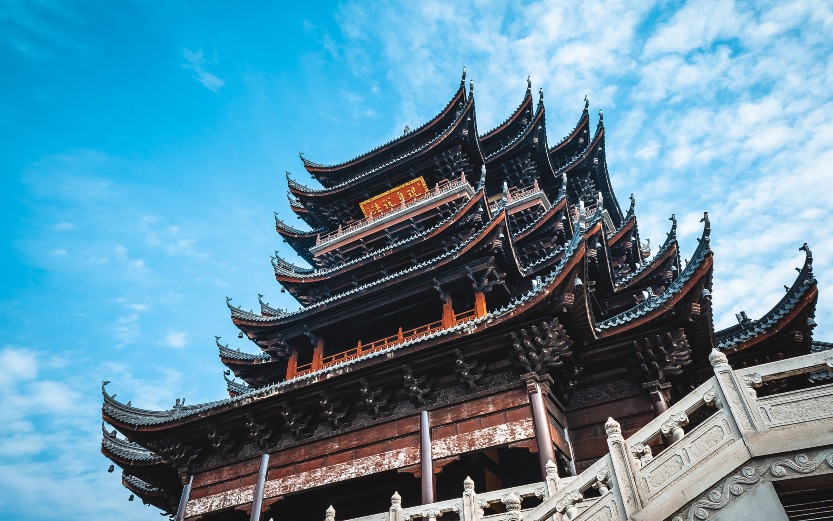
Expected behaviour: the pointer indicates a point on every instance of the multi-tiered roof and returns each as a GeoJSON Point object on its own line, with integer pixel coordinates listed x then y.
{"type": "Point", "coordinates": [508, 248]}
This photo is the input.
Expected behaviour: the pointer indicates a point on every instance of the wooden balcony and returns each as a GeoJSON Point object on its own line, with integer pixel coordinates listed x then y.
{"type": "Point", "coordinates": [383, 343]}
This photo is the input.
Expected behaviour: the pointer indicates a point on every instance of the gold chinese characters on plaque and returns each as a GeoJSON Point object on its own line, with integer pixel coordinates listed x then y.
{"type": "Point", "coordinates": [394, 198]}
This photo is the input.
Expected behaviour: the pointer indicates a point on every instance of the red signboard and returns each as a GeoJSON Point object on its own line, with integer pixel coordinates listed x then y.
{"type": "Point", "coordinates": [394, 198]}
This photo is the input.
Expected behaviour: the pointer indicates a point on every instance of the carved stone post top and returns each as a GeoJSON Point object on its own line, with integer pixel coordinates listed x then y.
{"type": "Point", "coordinates": [568, 500]}
{"type": "Point", "coordinates": [612, 428]}
{"type": "Point", "coordinates": [395, 501]}
{"type": "Point", "coordinates": [468, 485]}
{"type": "Point", "coordinates": [552, 469]}
{"type": "Point", "coordinates": [718, 359]}
{"type": "Point", "coordinates": [676, 421]}
{"type": "Point", "coordinates": [641, 449]}
{"type": "Point", "coordinates": [512, 502]}
{"type": "Point", "coordinates": [753, 380]}
{"type": "Point", "coordinates": [330, 514]}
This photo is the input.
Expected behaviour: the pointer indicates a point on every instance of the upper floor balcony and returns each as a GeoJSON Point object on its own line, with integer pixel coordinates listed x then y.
{"type": "Point", "coordinates": [443, 193]}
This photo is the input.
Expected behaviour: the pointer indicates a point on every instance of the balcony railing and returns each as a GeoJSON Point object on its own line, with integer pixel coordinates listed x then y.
{"type": "Point", "coordinates": [516, 196]}
{"type": "Point", "coordinates": [441, 190]}
{"type": "Point", "coordinates": [383, 343]}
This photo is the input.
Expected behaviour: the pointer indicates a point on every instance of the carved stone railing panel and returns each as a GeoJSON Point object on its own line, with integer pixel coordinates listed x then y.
{"type": "Point", "coordinates": [559, 502]}
{"type": "Point", "coordinates": [800, 406]}
{"type": "Point", "coordinates": [695, 449]}
{"type": "Point", "coordinates": [702, 396]}
{"type": "Point", "coordinates": [603, 508]}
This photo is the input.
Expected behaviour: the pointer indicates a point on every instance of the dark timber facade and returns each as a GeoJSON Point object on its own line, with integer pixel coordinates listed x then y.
{"type": "Point", "coordinates": [476, 304]}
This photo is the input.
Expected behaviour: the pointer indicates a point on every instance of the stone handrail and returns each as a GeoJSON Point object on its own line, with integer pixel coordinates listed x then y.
{"type": "Point", "coordinates": [635, 485]}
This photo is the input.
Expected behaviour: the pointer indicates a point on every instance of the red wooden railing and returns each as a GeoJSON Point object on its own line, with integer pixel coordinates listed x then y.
{"type": "Point", "coordinates": [383, 343]}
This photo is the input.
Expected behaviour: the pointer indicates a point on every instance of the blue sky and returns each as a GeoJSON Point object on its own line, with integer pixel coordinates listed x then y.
{"type": "Point", "coordinates": [144, 150]}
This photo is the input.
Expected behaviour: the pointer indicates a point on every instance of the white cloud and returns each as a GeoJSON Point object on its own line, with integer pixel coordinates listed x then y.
{"type": "Point", "coordinates": [18, 365]}
{"type": "Point", "coordinates": [120, 252]}
{"type": "Point", "coordinates": [59, 252]}
{"type": "Point", "coordinates": [64, 227]}
{"type": "Point", "coordinates": [177, 339]}
{"type": "Point", "coordinates": [718, 106]}
{"type": "Point", "coordinates": [195, 61]}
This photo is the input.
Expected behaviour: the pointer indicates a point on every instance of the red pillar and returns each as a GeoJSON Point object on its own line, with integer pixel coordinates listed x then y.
{"type": "Point", "coordinates": [479, 305]}
{"type": "Point", "coordinates": [318, 356]}
{"type": "Point", "coordinates": [543, 437]}
{"type": "Point", "coordinates": [448, 315]}
{"type": "Point", "coordinates": [292, 366]}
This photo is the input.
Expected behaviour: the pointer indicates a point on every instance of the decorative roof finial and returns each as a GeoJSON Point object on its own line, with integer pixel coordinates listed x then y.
{"type": "Point", "coordinates": [673, 220]}
{"type": "Point", "coordinates": [528, 85]}
{"type": "Point", "coordinates": [463, 79]}
{"type": "Point", "coordinates": [586, 102]}
{"type": "Point", "coordinates": [707, 228]}
{"type": "Point", "coordinates": [541, 95]}
{"type": "Point", "coordinates": [471, 88]}
{"type": "Point", "coordinates": [601, 118]}
{"type": "Point", "coordinates": [633, 205]}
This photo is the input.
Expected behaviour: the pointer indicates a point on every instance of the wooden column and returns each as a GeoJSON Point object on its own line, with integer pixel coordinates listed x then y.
{"type": "Point", "coordinates": [257, 499]}
{"type": "Point", "coordinates": [535, 386]}
{"type": "Point", "coordinates": [183, 499]}
{"type": "Point", "coordinates": [425, 458]}
{"type": "Point", "coordinates": [479, 304]}
{"type": "Point", "coordinates": [448, 315]}
{"type": "Point", "coordinates": [318, 355]}
{"type": "Point", "coordinates": [292, 366]}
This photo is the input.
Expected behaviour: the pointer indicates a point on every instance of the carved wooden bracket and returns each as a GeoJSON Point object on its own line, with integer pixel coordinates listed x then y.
{"type": "Point", "coordinates": [419, 387]}
{"type": "Point", "coordinates": [335, 411]}
{"type": "Point", "coordinates": [375, 400]}
{"type": "Point", "coordinates": [468, 373]}
{"type": "Point", "coordinates": [263, 436]}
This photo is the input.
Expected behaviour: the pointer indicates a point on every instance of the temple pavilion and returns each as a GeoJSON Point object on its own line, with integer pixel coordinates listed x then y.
{"type": "Point", "coordinates": [471, 304]}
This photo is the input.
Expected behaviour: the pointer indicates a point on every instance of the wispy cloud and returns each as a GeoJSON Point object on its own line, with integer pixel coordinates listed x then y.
{"type": "Point", "coordinates": [718, 106]}
{"type": "Point", "coordinates": [177, 339]}
{"type": "Point", "coordinates": [195, 61]}
{"type": "Point", "coordinates": [64, 227]}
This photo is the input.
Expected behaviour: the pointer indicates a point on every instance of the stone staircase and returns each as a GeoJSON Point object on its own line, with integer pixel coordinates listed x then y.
{"type": "Point", "coordinates": [723, 467]}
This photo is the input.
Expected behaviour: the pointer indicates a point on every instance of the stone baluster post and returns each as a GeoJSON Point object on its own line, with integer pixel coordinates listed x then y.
{"type": "Point", "coordinates": [567, 505]}
{"type": "Point", "coordinates": [513, 507]}
{"type": "Point", "coordinates": [672, 428]}
{"type": "Point", "coordinates": [625, 469]}
{"type": "Point", "coordinates": [470, 510]}
{"type": "Point", "coordinates": [736, 397]}
{"type": "Point", "coordinates": [395, 512]}
{"type": "Point", "coordinates": [601, 483]}
{"type": "Point", "coordinates": [330, 514]}
{"type": "Point", "coordinates": [552, 479]}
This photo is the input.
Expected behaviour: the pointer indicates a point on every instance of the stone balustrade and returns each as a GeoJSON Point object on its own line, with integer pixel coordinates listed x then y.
{"type": "Point", "coordinates": [670, 469]}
